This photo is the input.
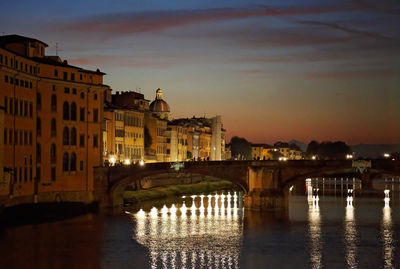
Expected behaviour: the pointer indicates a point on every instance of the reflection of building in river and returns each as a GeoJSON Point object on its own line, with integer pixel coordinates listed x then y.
{"type": "Point", "coordinates": [173, 235]}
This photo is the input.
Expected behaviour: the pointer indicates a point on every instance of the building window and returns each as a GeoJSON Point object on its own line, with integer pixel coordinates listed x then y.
{"type": "Point", "coordinates": [26, 109]}
{"type": "Point", "coordinates": [53, 103]}
{"type": "Point", "coordinates": [53, 153]}
{"type": "Point", "coordinates": [82, 140]}
{"type": "Point", "coordinates": [74, 91]}
{"type": "Point", "coordinates": [25, 138]}
{"type": "Point", "coordinates": [73, 111]}
{"type": "Point", "coordinates": [95, 141]}
{"type": "Point", "coordinates": [38, 101]}
{"type": "Point", "coordinates": [6, 79]}
{"type": "Point", "coordinates": [95, 115]}
{"type": "Point", "coordinates": [38, 127]}
{"type": "Point", "coordinates": [10, 136]}
{"type": "Point", "coordinates": [55, 72]}
{"type": "Point", "coordinates": [38, 153]}
{"type": "Point", "coordinates": [95, 96]}
{"type": "Point", "coordinates": [73, 161]}
{"type": "Point", "coordinates": [65, 136]}
{"type": "Point", "coordinates": [5, 104]}
{"type": "Point", "coordinates": [30, 109]}
{"type": "Point", "coordinates": [11, 106]}
{"type": "Point", "coordinates": [53, 174]}
{"type": "Point", "coordinates": [30, 85]}
{"type": "Point", "coordinates": [53, 128]}
{"type": "Point", "coordinates": [65, 76]}
{"type": "Point", "coordinates": [66, 111]}
{"type": "Point", "coordinates": [73, 136]}
{"type": "Point", "coordinates": [66, 90]}
{"type": "Point", "coordinates": [38, 173]}
{"type": "Point", "coordinates": [16, 107]}
{"type": "Point", "coordinates": [65, 161]}
{"type": "Point", "coordinates": [72, 76]}
{"type": "Point", "coordinates": [82, 114]}
{"type": "Point", "coordinates": [81, 165]}
{"type": "Point", "coordinates": [5, 136]}
{"type": "Point", "coordinates": [82, 95]}
{"type": "Point", "coordinates": [30, 138]}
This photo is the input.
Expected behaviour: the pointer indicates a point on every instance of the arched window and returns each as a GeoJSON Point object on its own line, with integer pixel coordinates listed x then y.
{"type": "Point", "coordinates": [65, 136]}
{"type": "Point", "coordinates": [73, 161]}
{"type": "Point", "coordinates": [53, 128]}
{"type": "Point", "coordinates": [53, 103]}
{"type": "Point", "coordinates": [73, 136]}
{"type": "Point", "coordinates": [73, 111]}
{"type": "Point", "coordinates": [66, 111]}
{"type": "Point", "coordinates": [53, 153]}
{"type": "Point", "coordinates": [38, 127]}
{"type": "Point", "coordinates": [65, 162]}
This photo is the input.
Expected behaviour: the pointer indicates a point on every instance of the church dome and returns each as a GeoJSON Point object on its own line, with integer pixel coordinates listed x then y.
{"type": "Point", "coordinates": [159, 105]}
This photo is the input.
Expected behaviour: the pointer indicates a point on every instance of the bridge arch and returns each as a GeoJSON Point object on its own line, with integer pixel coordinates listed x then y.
{"type": "Point", "coordinates": [238, 176]}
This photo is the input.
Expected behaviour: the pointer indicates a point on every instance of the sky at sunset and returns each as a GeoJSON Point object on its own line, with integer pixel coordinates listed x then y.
{"type": "Point", "coordinates": [274, 70]}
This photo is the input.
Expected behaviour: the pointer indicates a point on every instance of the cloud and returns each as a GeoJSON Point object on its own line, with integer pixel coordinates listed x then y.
{"type": "Point", "coordinates": [135, 22]}
{"type": "Point", "coordinates": [349, 30]}
{"type": "Point", "coordinates": [384, 72]}
{"type": "Point", "coordinates": [119, 61]}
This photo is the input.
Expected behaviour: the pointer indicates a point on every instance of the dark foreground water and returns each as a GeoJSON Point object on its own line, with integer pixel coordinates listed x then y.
{"type": "Point", "coordinates": [318, 231]}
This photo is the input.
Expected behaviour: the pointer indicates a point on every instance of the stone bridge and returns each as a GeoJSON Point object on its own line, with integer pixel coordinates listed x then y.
{"type": "Point", "coordinates": [265, 183]}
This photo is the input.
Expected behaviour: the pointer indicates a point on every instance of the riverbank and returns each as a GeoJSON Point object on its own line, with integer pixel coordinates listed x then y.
{"type": "Point", "coordinates": [134, 197]}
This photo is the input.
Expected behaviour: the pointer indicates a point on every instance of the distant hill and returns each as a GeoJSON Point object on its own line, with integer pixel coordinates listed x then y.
{"type": "Point", "coordinates": [374, 150]}
{"type": "Point", "coordinates": [301, 145]}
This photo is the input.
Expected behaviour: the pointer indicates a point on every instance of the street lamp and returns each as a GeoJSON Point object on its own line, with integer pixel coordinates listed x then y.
{"type": "Point", "coordinates": [386, 155]}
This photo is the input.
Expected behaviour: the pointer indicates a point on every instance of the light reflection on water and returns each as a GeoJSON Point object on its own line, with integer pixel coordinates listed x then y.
{"type": "Point", "coordinates": [350, 235]}
{"type": "Point", "coordinates": [387, 233]}
{"type": "Point", "coordinates": [314, 219]}
{"type": "Point", "coordinates": [209, 231]}
{"type": "Point", "coordinates": [209, 236]}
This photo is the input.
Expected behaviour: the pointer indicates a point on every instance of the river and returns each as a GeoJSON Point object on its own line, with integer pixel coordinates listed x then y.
{"type": "Point", "coordinates": [339, 230]}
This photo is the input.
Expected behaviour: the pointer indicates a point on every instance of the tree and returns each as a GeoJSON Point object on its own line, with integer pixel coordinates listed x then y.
{"type": "Point", "coordinates": [189, 155]}
{"type": "Point", "coordinates": [148, 140]}
{"type": "Point", "coordinates": [328, 150]}
{"type": "Point", "coordinates": [240, 147]}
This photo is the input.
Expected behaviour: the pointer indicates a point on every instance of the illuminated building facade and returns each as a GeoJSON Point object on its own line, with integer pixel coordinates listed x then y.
{"type": "Point", "coordinates": [124, 124]}
{"type": "Point", "coordinates": [53, 116]}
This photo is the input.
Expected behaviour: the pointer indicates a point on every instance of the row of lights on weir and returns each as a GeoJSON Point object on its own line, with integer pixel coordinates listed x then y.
{"type": "Point", "coordinates": [165, 210]}
{"type": "Point", "coordinates": [349, 199]}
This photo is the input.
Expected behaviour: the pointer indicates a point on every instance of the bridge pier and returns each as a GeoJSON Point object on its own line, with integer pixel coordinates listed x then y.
{"type": "Point", "coordinates": [264, 190]}
{"type": "Point", "coordinates": [264, 200]}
